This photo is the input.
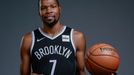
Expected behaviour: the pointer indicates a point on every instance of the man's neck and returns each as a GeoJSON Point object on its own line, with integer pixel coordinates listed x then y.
{"type": "Point", "coordinates": [52, 31]}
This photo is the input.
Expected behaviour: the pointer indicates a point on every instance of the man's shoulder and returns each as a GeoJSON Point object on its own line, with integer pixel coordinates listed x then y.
{"type": "Point", "coordinates": [27, 36]}
{"type": "Point", "coordinates": [79, 39]}
{"type": "Point", "coordinates": [78, 35]}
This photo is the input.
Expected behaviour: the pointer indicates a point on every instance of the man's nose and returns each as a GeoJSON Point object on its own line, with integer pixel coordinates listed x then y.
{"type": "Point", "coordinates": [48, 10]}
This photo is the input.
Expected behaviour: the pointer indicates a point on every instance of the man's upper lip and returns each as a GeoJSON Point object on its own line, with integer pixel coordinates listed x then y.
{"type": "Point", "coordinates": [49, 15]}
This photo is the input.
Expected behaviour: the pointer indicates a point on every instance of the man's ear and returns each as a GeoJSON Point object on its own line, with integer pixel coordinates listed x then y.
{"type": "Point", "coordinates": [39, 13]}
{"type": "Point", "coordinates": [60, 9]}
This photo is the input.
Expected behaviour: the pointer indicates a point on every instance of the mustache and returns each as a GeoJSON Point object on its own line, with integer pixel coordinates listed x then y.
{"type": "Point", "coordinates": [49, 15]}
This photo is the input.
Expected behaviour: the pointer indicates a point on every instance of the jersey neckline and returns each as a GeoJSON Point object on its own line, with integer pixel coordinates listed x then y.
{"type": "Point", "coordinates": [52, 38]}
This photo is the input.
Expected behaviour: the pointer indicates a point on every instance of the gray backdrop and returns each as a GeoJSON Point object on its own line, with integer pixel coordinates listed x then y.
{"type": "Point", "coordinates": [109, 21]}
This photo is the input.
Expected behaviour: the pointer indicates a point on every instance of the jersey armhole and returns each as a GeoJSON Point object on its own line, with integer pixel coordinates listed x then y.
{"type": "Point", "coordinates": [72, 40]}
{"type": "Point", "coordinates": [33, 40]}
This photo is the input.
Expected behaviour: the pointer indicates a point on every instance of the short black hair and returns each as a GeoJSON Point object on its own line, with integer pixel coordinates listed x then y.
{"type": "Point", "coordinates": [56, 1]}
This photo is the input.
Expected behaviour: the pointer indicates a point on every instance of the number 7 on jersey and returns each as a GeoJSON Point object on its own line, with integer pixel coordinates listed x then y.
{"type": "Point", "coordinates": [53, 66]}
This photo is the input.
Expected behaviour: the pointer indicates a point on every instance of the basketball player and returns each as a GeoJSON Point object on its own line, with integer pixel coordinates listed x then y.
{"type": "Point", "coordinates": [53, 49]}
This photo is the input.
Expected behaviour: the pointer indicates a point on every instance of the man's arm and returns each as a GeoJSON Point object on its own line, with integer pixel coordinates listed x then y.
{"type": "Point", "coordinates": [25, 54]}
{"type": "Point", "coordinates": [80, 44]}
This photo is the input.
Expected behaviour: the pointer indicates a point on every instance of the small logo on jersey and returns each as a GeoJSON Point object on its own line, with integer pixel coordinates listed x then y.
{"type": "Point", "coordinates": [65, 38]}
{"type": "Point", "coordinates": [38, 40]}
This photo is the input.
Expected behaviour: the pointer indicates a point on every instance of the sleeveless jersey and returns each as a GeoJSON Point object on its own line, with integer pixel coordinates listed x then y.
{"type": "Point", "coordinates": [53, 56]}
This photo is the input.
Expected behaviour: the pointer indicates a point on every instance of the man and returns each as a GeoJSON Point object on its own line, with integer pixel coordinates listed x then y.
{"type": "Point", "coordinates": [53, 49]}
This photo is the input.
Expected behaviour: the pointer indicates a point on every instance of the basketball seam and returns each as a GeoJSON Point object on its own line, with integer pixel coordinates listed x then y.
{"type": "Point", "coordinates": [102, 54]}
{"type": "Point", "coordinates": [103, 46]}
{"type": "Point", "coordinates": [97, 47]}
{"type": "Point", "coordinates": [100, 65]}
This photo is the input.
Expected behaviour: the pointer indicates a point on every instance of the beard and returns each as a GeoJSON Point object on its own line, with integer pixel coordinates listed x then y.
{"type": "Point", "coordinates": [50, 21]}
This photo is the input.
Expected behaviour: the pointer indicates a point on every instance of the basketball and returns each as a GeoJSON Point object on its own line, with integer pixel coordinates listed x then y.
{"type": "Point", "coordinates": [102, 59]}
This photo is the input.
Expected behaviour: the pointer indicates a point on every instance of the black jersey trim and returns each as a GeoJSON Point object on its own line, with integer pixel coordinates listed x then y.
{"type": "Point", "coordinates": [52, 38]}
{"type": "Point", "coordinates": [33, 41]}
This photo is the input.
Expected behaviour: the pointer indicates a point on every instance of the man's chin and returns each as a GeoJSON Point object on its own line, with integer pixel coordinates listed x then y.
{"type": "Point", "coordinates": [50, 24]}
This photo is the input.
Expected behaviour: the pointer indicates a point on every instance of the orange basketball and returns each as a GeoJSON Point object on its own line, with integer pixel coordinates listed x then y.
{"type": "Point", "coordinates": [102, 59]}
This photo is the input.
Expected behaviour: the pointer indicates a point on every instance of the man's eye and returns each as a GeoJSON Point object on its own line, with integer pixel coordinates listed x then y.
{"type": "Point", "coordinates": [53, 6]}
{"type": "Point", "coordinates": [42, 8]}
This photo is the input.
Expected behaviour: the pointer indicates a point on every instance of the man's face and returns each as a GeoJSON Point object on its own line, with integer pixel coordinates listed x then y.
{"type": "Point", "coordinates": [49, 11]}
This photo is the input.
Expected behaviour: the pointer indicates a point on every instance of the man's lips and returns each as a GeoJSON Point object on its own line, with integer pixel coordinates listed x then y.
{"type": "Point", "coordinates": [49, 17]}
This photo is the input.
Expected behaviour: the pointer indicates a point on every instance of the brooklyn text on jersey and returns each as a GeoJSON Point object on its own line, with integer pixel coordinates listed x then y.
{"type": "Point", "coordinates": [50, 50]}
